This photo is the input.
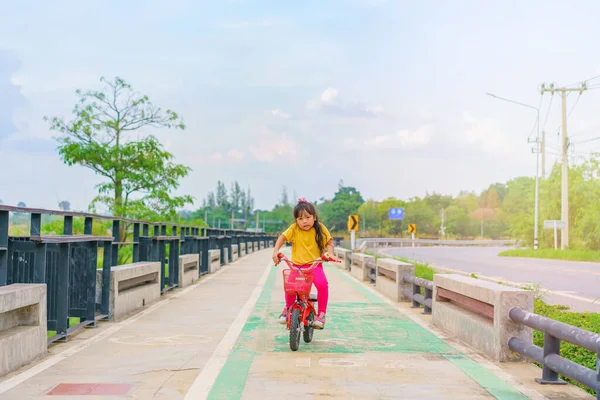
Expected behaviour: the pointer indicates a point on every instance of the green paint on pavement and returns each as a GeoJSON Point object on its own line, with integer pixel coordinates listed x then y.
{"type": "Point", "coordinates": [232, 378]}
{"type": "Point", "coordinates": [484, 377]}
{"type": "Point", "coordinates": [354, 327]}
{"type": "Point", "coordinates": [364, 327]}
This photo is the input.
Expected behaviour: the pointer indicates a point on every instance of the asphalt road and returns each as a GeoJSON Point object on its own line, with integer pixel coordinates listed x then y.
{"type": "Point", "coordinates": [567, 277]}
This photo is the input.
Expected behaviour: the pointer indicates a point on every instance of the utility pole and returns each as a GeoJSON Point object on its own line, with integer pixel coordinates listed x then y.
{"type": "Point", "coordinates": [443, 228]}
{"type": "Point", "coordinates": [257, 226]}
{"type": "Point", "coordinates": [564, 206]}
{"type": "Point", "coordinates": [543, 154]}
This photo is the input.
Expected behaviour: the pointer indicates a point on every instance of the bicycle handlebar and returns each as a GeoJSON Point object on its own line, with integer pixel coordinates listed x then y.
{"type": "Point", "coordinates": [325, 257]}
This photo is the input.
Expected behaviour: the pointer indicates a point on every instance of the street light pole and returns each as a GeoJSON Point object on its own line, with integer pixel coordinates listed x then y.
{"type": "Point", "coordinates": [537, 167]}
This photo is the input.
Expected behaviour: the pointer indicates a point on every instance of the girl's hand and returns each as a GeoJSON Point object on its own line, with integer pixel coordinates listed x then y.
{"type": "Point", "coordinates": [275, 259]}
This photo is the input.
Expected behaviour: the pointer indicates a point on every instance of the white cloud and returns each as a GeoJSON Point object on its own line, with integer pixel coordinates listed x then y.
{"type": "Point", "coordinates": [271, 146]}
{"type": "Point", "coordinates": [485, 133]}
{"type": "Point", "coordinates": [401, 139]}
{"type": "Point", "coordinates": [280, 114]}
{"type": "Point", "coordinates": [330, 102]}
{"type": "Point", "coordinates": [235, 154]}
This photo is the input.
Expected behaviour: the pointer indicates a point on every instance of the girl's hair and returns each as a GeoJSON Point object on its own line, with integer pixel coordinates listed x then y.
{"type": "Point", "coordinates": [304, 205]}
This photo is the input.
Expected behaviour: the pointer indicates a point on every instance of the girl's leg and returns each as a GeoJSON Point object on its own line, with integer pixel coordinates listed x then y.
{"type": "Point", "coordinates": [322, 285]}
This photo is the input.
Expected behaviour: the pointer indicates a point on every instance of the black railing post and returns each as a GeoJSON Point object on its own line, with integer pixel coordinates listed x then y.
{"type": "Point", "coordinates": [106, 266]}
{"type": "Point", "coordinates": [415, 290]}
{"type": "Point", "coordinates": [88, 226]}
{"type": "Point", "coordinates": [551, 346]}
{"type": "Point", "coordinates": [3, 247]}
{"type": "Point", "coordinates": [174, 259]}
{"type": "Point", "coordinates": [136, 242]}
{"type": "Point", "coordinates": [92, 248]}
{"type": "Point", "coordinates": [116, 233]}
{"type": "Point", "coordinates": [36, 225]}
{"type": "Point", "coordinates": [428, 295]}
{"type": "Point", "coordinates": [62, 298]}
{"type": "Point", "coordinates": [68, 225]}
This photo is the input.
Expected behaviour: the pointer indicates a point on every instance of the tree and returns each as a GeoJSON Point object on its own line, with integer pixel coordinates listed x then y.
{"type": "Point", "coordinates": [64, 205]}
{"type": "Point", "coordinates": [22, 205]}
{"type": "Point", "coordinates": [346, 201]}
{"type": "Point", "coordinates": [222, 198]}
{"type": "Point", "coordinates": [285, 201]}
{"type": "Point", "coordinates": [139, 171]}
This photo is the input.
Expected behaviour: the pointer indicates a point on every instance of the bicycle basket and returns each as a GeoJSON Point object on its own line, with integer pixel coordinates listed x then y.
{"type": "Point", "coordinates": [297, 282]}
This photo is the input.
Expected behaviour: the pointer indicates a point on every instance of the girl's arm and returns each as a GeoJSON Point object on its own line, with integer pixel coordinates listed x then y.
{"type": "Point", "coordinates": [330, 247]}
{"type": "Point", "coordinates": [280, 242]}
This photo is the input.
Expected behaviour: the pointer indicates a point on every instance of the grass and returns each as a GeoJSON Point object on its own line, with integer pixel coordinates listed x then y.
{"type": "Point", "coordinates": [567, 255]}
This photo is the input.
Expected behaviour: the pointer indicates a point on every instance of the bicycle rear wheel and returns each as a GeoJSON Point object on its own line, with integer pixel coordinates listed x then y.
{"type": "Point", "coordinates": [308, 331]}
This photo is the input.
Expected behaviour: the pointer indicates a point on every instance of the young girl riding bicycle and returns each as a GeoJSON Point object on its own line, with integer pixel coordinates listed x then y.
{"type": "Point", "coordinates": [310, 239]}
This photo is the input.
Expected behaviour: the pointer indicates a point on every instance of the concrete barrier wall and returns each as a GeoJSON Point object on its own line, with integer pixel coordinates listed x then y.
{"type": "Point", "coordinates": [23, 336]}
{"type": "Point", "coordinates": [215, 260]}
{"type": "Point", "coordinates": [189, 264]}
{"type": "Point", "coordinates": [389, 278]}
{"type": "Point", "coordinates": [476, 312]}
{"type": "Point", "coordinates": [359, 268]}
{"type": "Point", "coordinates": [132, 286]}
{"type": "Point", "coordinates": [345, 256]}
{"type": "Point", "coordinates": [234, 252]}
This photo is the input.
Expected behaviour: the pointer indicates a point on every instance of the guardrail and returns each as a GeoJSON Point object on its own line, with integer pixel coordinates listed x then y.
{"type": "Point", "coordinates": [67, 263]}
{"type": "Point", "coordinates": [415, 295]}
{"type": "Point", "coordinates": [549, 356]}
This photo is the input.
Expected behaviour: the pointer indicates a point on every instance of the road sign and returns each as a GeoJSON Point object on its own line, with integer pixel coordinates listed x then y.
{"type": "Point", "coordinates": [352, 223]}
{"type": "Point", "coordinates": [556, 225]}
{"type": "Point", "coordinates": [551, 224]}
{"type": "Point", "coordinates": [412, 228]}
{"type": "Point", "coordinates": [396, 213]}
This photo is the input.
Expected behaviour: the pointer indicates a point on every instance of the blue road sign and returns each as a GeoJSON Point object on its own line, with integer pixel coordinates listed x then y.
{"type": "Point", "coordinates": [396, 213]}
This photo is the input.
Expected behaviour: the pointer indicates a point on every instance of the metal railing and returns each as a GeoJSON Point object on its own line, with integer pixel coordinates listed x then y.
{"type": "Point", "coordinates": [67, 263]}
{"type": "Point", "coordinates": [549, 356]}
{"type": "Point", "coordinates": [415, 295]}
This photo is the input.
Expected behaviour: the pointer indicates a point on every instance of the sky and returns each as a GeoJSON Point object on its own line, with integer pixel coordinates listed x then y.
{"type": "Point", "coordinates": [389, 96]}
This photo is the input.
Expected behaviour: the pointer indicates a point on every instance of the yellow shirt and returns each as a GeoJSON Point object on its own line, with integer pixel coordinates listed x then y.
{"type": "Point", "coordinates": [304, 243]}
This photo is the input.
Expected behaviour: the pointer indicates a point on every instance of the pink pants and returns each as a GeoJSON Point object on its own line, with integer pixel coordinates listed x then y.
{"type": "Point", "coordinates": [320, 282]}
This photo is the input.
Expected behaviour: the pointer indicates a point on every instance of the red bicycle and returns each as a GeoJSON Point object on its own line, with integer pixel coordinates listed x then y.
{"type": "Point", "coordinates": [300, 316]}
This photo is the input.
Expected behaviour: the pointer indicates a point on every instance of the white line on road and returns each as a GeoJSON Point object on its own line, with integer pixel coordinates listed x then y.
{"type": "Point", "coordinates": [53, 360]}
{"type": "Point", "coordinates": [203, 384]}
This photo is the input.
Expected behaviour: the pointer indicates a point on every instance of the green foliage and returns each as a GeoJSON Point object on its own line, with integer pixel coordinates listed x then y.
{"type": "Point", "coordinates": [140, 174]}
{"type": "Point", "coordinates": [570, 255]}
{"type": "Point", "coordinates": [347, 200]}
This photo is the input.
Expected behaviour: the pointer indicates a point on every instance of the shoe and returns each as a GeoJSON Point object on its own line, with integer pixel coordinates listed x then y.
{"type": "Point", "coordinates": [319, 323]}
{"type": "Point", "coordinates": [283, 318]}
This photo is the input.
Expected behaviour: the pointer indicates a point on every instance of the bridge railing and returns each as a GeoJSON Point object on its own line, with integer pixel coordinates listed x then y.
{"type": "Point", "coordinates": [67, 263]}
{"type": "Point", "coordinates": [414, 294]}
{"type": "Point", "coordinates": [549, 356]}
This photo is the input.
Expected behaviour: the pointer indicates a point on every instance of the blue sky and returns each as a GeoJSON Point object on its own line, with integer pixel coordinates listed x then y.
{"type": "Point", "coordinates": [388, 95]}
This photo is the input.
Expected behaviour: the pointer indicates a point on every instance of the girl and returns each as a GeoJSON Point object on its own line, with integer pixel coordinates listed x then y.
{"type": "Point", "coordinates": [310, 239]}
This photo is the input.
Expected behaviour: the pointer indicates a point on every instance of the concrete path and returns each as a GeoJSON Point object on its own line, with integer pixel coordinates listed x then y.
{"type": "Point", "coordinates": [219, 339]}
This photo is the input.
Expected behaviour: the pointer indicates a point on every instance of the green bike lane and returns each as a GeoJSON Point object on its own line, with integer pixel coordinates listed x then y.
{"type": "Point", "coordinates": [368, 350]}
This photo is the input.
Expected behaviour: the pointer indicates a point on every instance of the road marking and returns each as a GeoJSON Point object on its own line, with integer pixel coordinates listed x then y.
{"type": "Point", "coordinates": [53, 360]}
{"type": "Point", "coordinates": [341, 362]}
{"type": "Point", "coordinates": [201, 387]}
{"type": "Point", "coordinates": [303, 362]}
